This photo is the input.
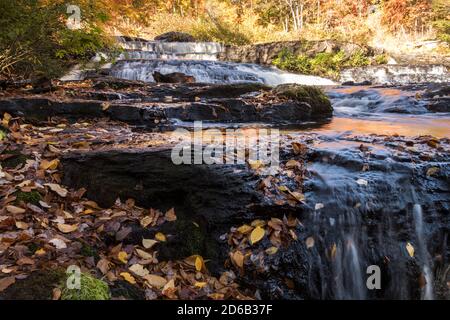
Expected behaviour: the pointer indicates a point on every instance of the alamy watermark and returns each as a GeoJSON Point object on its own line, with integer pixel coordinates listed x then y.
{"type": "Point", "coordinates": [227, 146]}
{"type": "Point", "coordinates": [74, 20]}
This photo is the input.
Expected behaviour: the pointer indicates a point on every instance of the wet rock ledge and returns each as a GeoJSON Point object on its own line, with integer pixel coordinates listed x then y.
{"type": "Point", "coordinates": [137, 103]}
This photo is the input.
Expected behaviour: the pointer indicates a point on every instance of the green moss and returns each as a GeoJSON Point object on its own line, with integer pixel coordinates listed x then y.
{"type": "Point", "coordinates": [91, 289]}
{"type": "Point", "coordinates": [89, 251]}
{"type": "Point", "coordinates": [380, 59]}
{"type": "Point", "coordinates": [16, 159]}
{"type": "Point", "coordinates": [3, 134]}
{"type": "Point", "coordinates": [32, 197]}
{"type": "Point", "coordinates": [314, 96]}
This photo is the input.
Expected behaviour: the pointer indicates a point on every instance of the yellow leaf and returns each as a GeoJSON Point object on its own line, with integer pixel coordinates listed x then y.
{"type": "Point", "coordinates": [128, 277]}
{"type": "Point", "coordinates": [40, 252]}
{"type": "Point", "coordinates": [200, 284]}
{"type": "Point", "coordinates": [67, 228]}
{"type": "Point", "coordinates": [199, 263]}
{"type": "Point", "coordinates": [272, 250]}
{"type": "Point", "coordinates": [432, 171]}
{"type": "Point", "coordinates": [155, 281]}
{"type": "Point", "coordinates": [333, 251]}
{"type": "Point", "coordinates": [258, 223]}
{"type": "Point", "coordinates": [145, 221]}
{"type": "Point", "coordinates": [160, 237]}
{"type": "Point", "coordinates": [256, 235]}
{"type": "Point", "coordinates": [410, 249]}
{"type": "Point", "coordinates": [148, 243]}
{"type": "Point", "coordinates": [123, 257]}
{"type": "Point", "coordinates": [15, 210]}
{"type": "Point", "coordinates": [216, 296]}
{"type": "Point", "coordinates": [245, 229]}
{"type": "Point", "coordinates": [238, 258]}
{"type": "Point", "coordinates": [49, 165]}
{"type": "Point", "coordinates": [58, 189]}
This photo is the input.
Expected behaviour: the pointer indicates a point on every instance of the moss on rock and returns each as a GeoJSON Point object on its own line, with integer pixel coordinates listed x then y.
{"type": "Point", "coordinates": [32, 197]}
{"type": "Point", "coordinates": [90, 289]}
{"type": "Point", "coordinates": [313, 96]}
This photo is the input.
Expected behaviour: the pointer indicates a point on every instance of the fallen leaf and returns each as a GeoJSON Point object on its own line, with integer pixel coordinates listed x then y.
{"type": "Point", "coordinates": [148, 243]}
{"type": "Point", "coordinates": [128, 277]}
{"type": "Point", "coordinates": [40, 252]}
{"type": "Point", "coordinates": [333, 251]}
{"type": "Point", "coordinates": [271, 250]}
{"type": "Point", "coordinates": [199, 263]}
{"type": "Point", "coordinates": [200, 284]}
{"type": "Point", "coordinates": [103, 265]}
{"type": "Point", "coordinates": [15, 210]}
{"type": "Point", "coordinates": [139, 270]}
{"type": "Point", "coordinates": [144, 255]}
{"type": "Point", "coordinates": [410, 249]}
{"type": "Point", "coordinates": [238, 258]}
{"type": "Point", "coordinates": [155, 281]}
{"type": "Point", "coordinates": [123, 257]}
{"type": "Point", "coordinates": [56, 294]}
{"type": "Point", "coordinates": [67, 228]}
{"type": "Point", "coordinates": [145, 221]}
{"type": "Point", "coordinates": [49, 165]}
{"type": "Point", "coordinates": [160, 237]}
{"type": "Point", "coordinates": [21, 225]}
{"type": "Point", "coordinates": [169, 289]}
{"type": "Point", "coordinates": [6, 282]}
{"type": "Point", "coordinates": [58, 189]}
{"type": "Point", "coordinates": [244, 229]}
{"type": "Point", "coordinates": [58, 243]}
{"type": "Point", "coordinates": [256, 235]}
{"type": "Point", "coordinates": [170, 215]}
{"type": "Point", "coordinates": [432, 171]}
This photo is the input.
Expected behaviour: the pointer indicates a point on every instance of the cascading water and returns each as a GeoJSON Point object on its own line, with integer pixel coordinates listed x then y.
{"type": "Point", "coordinates": [212, 72]}
{"type": "Point", "coordinates": [427, 291]}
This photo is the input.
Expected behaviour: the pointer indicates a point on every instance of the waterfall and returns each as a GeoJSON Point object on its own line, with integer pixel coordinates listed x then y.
{"type": "Point", "coordinates": [427, 292]}
{"type": "Point", "coordinates": [212, 72]}
{"type": "Point", "coordinates": [397, 74]}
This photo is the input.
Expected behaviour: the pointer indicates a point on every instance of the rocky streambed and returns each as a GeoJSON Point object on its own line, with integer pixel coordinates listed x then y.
{"type": "Point", "coordinates": [368, 186]}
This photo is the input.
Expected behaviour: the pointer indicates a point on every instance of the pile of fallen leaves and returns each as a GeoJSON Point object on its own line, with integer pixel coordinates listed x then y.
{"type": "Point", "coordinates": [251, 244]}
{"type": "Point", "coordinates": [44, 225]}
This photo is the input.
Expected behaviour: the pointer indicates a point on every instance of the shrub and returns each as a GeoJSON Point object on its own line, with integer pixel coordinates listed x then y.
{"type": "Point", "coordinates": [35, 39]}
{"type": "Point", "coordinates": [322, 64]}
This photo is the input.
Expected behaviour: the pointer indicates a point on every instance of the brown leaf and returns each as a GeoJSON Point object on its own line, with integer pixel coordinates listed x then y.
{"type": "Point", "coordinates": [6, 282]}
{"type": "Point", "coordinates": [15, 210]}
{"type": "Point", "coordinates": [170, 215]}
{"type": "Point", "coordinates": [155, 281]}
{"type": "Point", "coordinates": [67, 228]}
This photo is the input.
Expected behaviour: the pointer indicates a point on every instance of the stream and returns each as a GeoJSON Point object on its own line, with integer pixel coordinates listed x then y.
{"type": "Point", "coordinates": [368, 202]}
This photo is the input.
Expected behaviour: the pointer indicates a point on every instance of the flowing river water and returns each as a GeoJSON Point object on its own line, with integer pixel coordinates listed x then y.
{"type": "Point", "coordinates": [370, 216]}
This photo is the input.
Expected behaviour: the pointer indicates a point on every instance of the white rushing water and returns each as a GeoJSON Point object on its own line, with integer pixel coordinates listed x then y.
{"type": "Point", "coordinates": [427, 291]}
{"type": "Point", "coordinates": [212, 72]}
{"type": "Point", "coordinates": [397, 74]}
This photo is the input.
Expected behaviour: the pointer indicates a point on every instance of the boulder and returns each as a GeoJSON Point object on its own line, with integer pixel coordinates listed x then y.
{"type": "Point", "coordinates": [175, 77]}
